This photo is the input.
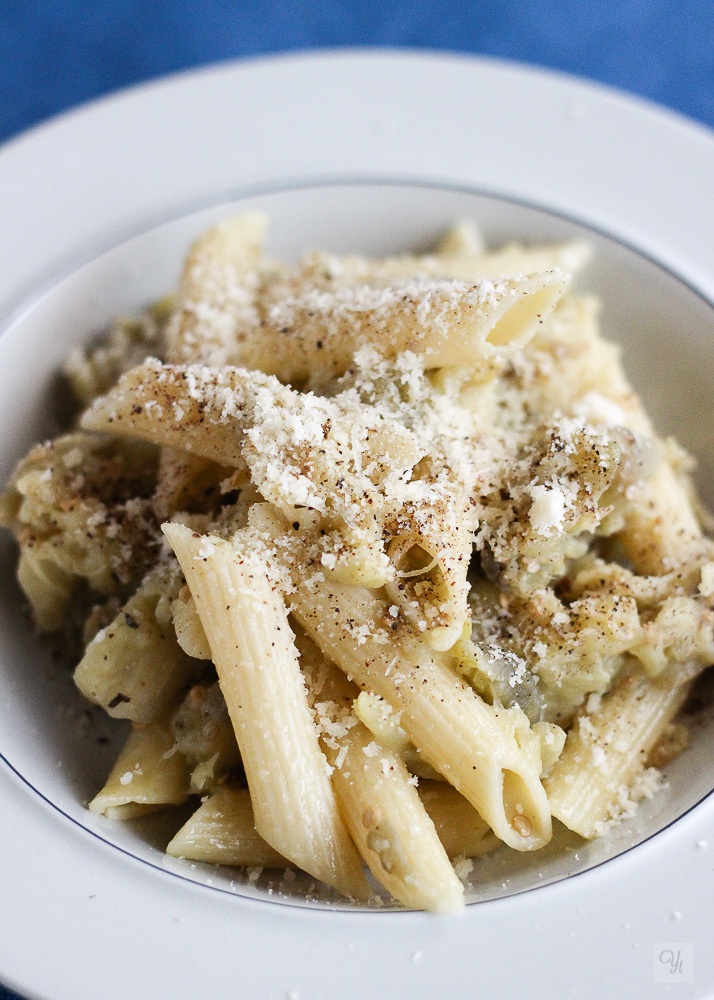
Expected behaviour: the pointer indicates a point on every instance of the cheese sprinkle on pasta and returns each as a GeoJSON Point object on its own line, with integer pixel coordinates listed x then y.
{"type": "Point", "coordinates": [382, 559]}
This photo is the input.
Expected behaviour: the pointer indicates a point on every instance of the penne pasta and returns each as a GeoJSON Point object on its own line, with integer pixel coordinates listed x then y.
{"type": "Point", "coordinates": [392, 541]}
{"type": "Point", "coordinates": [378, 798]}
{"type": "Point", "coordinates": [216, 295]}
{"type": "Point", "coordinates": [253, 649]}
{"type": "Point", "coordinates": [147, 776]}
{"type": "Point", "coordinates": [430, 585]}
{"type": "Point", "coordinates": [389, 824]}
{"type": "Point", "coordinates": [384, 724]}
{"type": "Point", "coordinates": [156, 402]}
{"type": "Point", "coordinates": [605, 750]}
{"type": "Point", "coordinates": [445, 322]}
{"type": "Point", "coordinates": [222, 832]}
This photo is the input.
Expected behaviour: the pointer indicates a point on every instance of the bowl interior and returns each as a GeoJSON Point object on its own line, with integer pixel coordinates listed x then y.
{"type": "Point", "coordinates": [61, 748]}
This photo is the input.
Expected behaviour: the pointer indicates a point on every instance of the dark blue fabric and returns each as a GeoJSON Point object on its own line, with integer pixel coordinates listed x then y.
{"type": "Point", "coordinates": [57, 53]}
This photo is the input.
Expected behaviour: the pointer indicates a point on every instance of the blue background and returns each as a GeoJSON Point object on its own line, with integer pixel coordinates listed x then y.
{"type": "Point", "coordinates": [55, 54]}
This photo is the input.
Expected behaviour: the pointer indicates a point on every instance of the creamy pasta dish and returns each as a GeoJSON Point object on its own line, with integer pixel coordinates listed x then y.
{"type": "Point", "coordinates": [382, 560]}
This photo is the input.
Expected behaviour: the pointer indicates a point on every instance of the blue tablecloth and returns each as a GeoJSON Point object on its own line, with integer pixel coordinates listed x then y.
{"type": "Point", "coordinates": [55, 55]}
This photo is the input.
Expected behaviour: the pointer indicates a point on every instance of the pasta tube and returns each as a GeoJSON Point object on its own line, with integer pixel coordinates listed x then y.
{"type": "Point", "coordinates": [390, 826]}
{"type": "Point", "coordinates": [222, 832]}
{"type": "Point", "coordinates": [473, 745]}
{"type": "Point", "coordinates": [383, 722]}
{"type": "Point", "coordinates": [607, 748]}
{"type": "Point", "coordinates": [378, 798]}
{"type": "Point", "coordinates": [430, 586]}
{"type": "Point", "coordinates": [448, 323]}
{"type": "Point", "coordinates": [217, 291]}
{"type": "Point", "coordinates": [148, 775]}
{"type": "Point", "coordinates": [156, 403]}
{"type": "Point", "coordinates": [253, 649]}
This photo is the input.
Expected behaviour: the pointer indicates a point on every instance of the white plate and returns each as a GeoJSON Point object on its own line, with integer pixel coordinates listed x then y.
{"type": "Point", "coordinates": [358, 151]}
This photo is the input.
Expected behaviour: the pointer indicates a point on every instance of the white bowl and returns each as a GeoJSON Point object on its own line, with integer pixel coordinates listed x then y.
{"type": "Point", "coordinates": [49, 740]}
